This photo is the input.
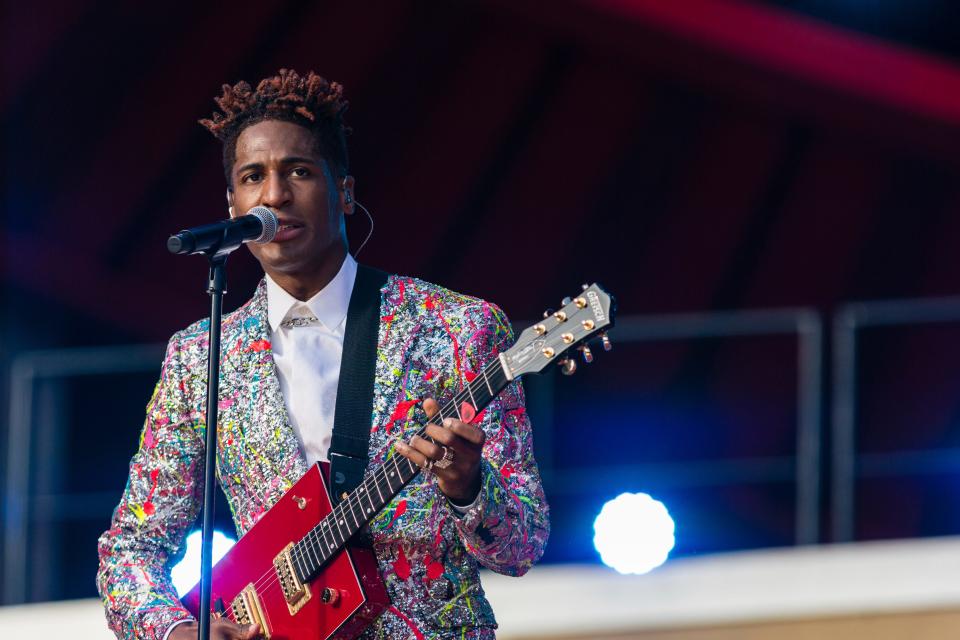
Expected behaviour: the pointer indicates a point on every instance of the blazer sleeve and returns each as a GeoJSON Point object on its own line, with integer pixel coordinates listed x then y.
{"type": "Point", "coordinates": [507, 527]}
{"type": "Point", "coordinates": [159, 504]}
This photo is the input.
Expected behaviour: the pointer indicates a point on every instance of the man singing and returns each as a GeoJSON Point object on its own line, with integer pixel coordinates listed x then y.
{"type": "Point", "coordinates": [479, 501]}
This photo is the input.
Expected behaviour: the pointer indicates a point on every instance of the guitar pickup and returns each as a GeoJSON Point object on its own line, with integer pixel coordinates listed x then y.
{"type": "Point", "coordinates": [248, 610]}
{"type": "Point", "coordinates": [295, 593]}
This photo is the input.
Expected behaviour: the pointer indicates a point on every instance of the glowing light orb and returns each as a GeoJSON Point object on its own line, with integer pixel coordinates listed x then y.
{"type": "Point", "coordinates": [187, 572]}
{"type": "Point", "coordinates": [633, 533]}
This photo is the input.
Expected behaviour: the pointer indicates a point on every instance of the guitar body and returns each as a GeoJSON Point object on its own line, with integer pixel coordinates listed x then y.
{"type": "Point", "coordinates": [339, 603]}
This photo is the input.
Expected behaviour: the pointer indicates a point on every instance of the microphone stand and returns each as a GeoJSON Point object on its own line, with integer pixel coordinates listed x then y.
{"type": "Point", "coordinates": [231, 237]}
{"type": "Point", "coordinates": [216, 287]}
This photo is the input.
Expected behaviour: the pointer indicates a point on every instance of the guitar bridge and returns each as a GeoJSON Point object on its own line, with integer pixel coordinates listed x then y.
{"type": "Point", "coordinates": [295, 592]}
{"type": "Point", "coordinates": [248, 610]}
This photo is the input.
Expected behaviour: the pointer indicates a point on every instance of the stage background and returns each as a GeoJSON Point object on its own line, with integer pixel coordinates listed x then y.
{"type": "Point", "coordinates": [740, 174]}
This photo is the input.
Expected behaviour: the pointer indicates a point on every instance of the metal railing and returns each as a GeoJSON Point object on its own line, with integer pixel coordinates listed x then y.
{"type": "Point", "coordinates": [20, 504]}
{"type": "Point", "coordinates": [847, 324]}
{"type": "Point", "coordinates": [30, 370]}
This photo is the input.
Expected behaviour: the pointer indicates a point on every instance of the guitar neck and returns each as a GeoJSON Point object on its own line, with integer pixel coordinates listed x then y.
{"type": "Point", "coordinates": [380, 487]}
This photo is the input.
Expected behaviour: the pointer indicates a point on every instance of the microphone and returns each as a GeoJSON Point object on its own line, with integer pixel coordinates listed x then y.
{"type": "Point", "coordinates": [258, 225]}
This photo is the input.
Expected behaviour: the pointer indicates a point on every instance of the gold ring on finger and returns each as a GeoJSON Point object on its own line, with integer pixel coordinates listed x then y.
{"type": "Point", "coordinates": [446, 460]}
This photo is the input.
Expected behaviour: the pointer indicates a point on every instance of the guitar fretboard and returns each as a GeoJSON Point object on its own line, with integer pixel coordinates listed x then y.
{"type": "Point", "coordinates": [380, 486]}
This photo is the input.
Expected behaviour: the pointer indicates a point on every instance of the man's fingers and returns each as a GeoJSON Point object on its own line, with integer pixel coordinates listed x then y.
{"type": "Point", "coordinates": [459, 435]}
{"type": "Point", "coordinates": [466, 431]}
{"type": "Point", "coordinates": [411, 454]}
{"type": "Point", "coordinates": [427, 448]}
{"type": "Point", "coordinates": [441, 435]}
{"type": "Point", "coordinates": [236, 631]}
{"type": "Point", "coordinates": [220, 629]}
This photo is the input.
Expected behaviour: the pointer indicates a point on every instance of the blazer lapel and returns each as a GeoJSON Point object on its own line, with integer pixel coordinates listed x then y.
{"type": "Point", "coordinates": [269, 444]}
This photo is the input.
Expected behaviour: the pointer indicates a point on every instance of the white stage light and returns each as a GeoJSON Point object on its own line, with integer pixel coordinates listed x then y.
{"type": "Point", "coordinates": [187, 572]}
{"type": "Point", "coordinates": [633, 533]}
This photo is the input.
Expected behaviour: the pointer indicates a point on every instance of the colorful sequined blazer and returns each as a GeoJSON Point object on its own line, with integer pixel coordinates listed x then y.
{"type": "Point", "coordinates": [431, 342]}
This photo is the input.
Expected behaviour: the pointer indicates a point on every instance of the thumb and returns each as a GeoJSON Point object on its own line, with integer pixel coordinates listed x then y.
{"type": "Point", "coordinates": [251, 632]}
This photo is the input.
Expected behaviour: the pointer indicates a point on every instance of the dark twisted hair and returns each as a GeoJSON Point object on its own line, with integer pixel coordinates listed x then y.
{"type": "Point", "coordinates": [309, 101]}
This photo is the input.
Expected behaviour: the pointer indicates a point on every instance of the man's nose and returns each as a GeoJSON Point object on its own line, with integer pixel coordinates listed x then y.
{"type": "Point", "coordinates": [276, 191]}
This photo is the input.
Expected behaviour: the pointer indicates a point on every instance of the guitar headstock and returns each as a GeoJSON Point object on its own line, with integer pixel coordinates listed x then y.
{"type": "Point", "coordinates": [580, 320]}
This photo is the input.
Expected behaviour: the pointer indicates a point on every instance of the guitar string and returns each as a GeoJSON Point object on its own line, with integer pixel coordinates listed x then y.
{"type": "Point", "coordinates": [273, 580]}
{"type": "Point", "coordinates": [378, 477]}
{"type": "Point", "coordinates": [455, 402]}
{"type": "Point", "coordinates": [354, 500]}
{"type": "Point", "coordinates": [413, 469]}
{"type": "Point", "coordinates": [316, 536]}
{"type": "Point", "coordinates": [324, 532]}
{"type": "Point", "coordinates": [300, 556]}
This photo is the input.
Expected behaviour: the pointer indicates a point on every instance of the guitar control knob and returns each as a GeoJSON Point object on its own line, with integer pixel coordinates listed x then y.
{"type": "Point", "coordinates": [568, 366]}
{"type": "Point", "coordinates": [587, 354]}
{"type": "Point", "coordinates": [330, 596]}
{"type": "Point", "coordinates": [607, 345]}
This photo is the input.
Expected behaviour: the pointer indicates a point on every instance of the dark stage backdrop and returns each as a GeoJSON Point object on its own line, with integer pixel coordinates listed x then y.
{"type": "Point", "coordinates": [692, 156]}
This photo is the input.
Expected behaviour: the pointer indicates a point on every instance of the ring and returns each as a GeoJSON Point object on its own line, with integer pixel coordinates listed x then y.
{"type": "Point", "coordinates": [446, 460]}
{"type": "Point", "coordinates": [427, 465]}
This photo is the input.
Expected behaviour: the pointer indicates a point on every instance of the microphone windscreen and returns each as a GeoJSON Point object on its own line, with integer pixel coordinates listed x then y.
{"type": "Point", "coordinates": [269, 221]}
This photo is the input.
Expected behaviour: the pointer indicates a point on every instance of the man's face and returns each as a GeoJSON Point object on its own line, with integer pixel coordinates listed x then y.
{"type": "Point", "coordinates": [276, 165]}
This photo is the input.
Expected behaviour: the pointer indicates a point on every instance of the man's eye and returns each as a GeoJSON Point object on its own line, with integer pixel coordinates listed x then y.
{"type": "Point", "coordinates": [251, 177]}
{"type": "Point", "coordinates": [300, 172]}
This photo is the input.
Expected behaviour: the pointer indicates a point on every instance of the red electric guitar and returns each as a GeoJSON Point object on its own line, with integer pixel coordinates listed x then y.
{"type": "Point", "coordinates": [296, 574]}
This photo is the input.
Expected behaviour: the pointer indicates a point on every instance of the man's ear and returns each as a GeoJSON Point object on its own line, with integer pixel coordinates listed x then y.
{"type": "Point", "coordinates": [346, 195]}
{"type": "Point", "coordinates": [230, 202]}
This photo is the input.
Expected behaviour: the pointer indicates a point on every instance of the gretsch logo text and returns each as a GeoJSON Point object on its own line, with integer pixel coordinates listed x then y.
{"type": "Point", "coordinates": [596, 306]}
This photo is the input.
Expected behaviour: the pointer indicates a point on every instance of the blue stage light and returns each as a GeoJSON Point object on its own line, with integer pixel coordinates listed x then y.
{"type": "Point", "coordinates": [633, 533]}
{"type": "Point", "coordinates": [187, 572]}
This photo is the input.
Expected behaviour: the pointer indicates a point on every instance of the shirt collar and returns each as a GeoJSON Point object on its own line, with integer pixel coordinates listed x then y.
{"type": "Point", "coordinates": [329, 304]}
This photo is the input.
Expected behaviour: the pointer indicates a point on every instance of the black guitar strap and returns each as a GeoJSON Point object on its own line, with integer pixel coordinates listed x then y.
{"type": "Point", "coordinates": [354, 411]}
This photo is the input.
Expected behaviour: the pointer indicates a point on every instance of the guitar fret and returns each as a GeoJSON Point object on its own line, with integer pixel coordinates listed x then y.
{"type": "Point", "coordinates": [363, 510]}
{"type": "Point", "coordinates": [340, 521]}
{"type": "Point", "coordinates": [333, 542]}
{"type": "Point", "coordinates": [345, 513]}
{"type": "Point", "coordinates": [309, 558]}
{"type": "Point", "coordinates": [396, 470]}
{"type": "Point", "coordinates": [376, 483]}
{"type": "Point", "coordinates": [353, 513]}
{"type": "Point", "coordinates": [412, 469]}
{"type": "Point", "coordinates": [313, 549]}
{"type": "Point", "coordinates": [298, 559]}
{"type": "Point", "coordinates": [366, 492]}
{"type": "Point", "coordinates": [326, 540]}
{"type": "Point", "coordinates": [486, 379]}
{"type": "Point", "coordinates": [473, 401]}
{"type": "Point", "coordinates": [316, 555]}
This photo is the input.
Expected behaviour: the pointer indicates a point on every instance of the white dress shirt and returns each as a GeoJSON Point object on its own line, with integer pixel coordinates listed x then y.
{"type": "Point", "coordinates": [308, 357]}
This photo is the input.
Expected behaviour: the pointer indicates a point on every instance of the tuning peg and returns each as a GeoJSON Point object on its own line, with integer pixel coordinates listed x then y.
{"type": "Point", "coordinates": [568, 366]}
{"type": "Point", "coordinates": [585, 286]}
{"type": "Point", "coordinates": [587, 354]}
{"type": "Point", "coordinates": [566, 301]}
{"type": "Point", "coordinates": [607, 345]}
{"type": "Point", "coordinates": [548, 313]}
